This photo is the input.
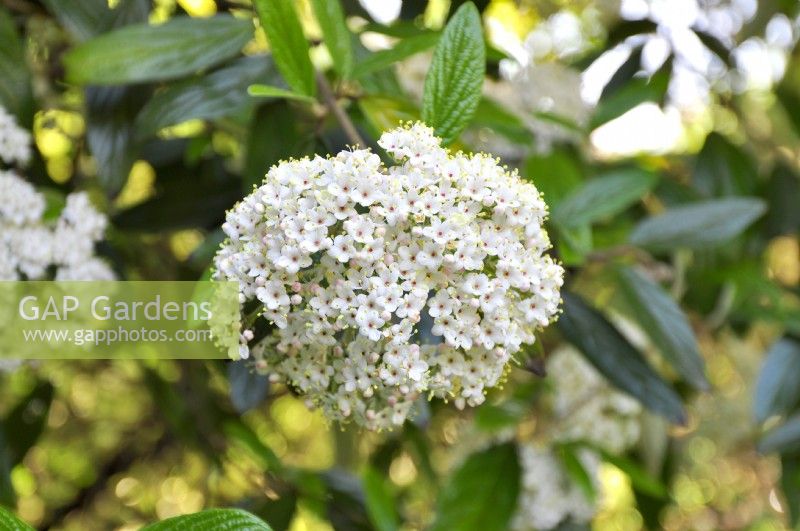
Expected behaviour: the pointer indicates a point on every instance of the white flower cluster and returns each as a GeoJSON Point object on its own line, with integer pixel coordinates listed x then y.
{"type": "Point", "coordinates": [15, 142]}
{"type": "Point", "coordinates": [585, 409]}
{"type": "Point", "coordinates": [29, 246]}
{"type": "Point", "coordinates": [548, 495]}
{"type": "Point", "coordinates": [386, 284]}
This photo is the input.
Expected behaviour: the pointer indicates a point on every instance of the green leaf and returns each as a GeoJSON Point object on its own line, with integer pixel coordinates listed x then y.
{"type": "Point", "coordinates": [27, 421]}
{"type": "Point", "coordinates": [86, 18]}
{"type": "Point", "coordinates": [723, 169]}
{"type": "Point", "coordinates": [267, 91]}
{"type": "Point", "coordinates": [379, 501]}
{"type": "Point", "coordinates": [335, 33]}
{"type": "Point", "coordinates": [789, 99]}
{"type": "Point", "coordinates": [111, 132]}
{"type": "Point", "coordinates": [716, 46]}
{"type": "Point", "coordinates": [217, 519]}
{"type": "Point", "coordinates": [666, 324]}
{"type": "Point", "coordinates": [783, 196]}
{"type": "Point", "coordinates": [402, 50]}
{"type": "Point", "coordinates": [637, 91]}
{"type": "Point", "coordinates": [8, 496]}
{"type": "Point", "coordinates": [616, 359]}
{"type": "Point", "coordinates": [784, 438]}
{"type": "Point", "coordinates": [287, 43]}
{"type": "Point", "coordinates": [778, 385]}
{"type": "Point", "coordinates": [482, 494]}
{"type": "Point", "coordinates": [790, 484]}
{"type": "Point", "coordinates": [624, 74]}
{"type": "Point", "coordinates": [628, 28]}
{"type": "Point", "coordinates": [503, 122]}
{"type": "Point", "coordinates": [604, 196]}
{"type": "Point", "coordinates": [555, 174]}
{"type": "Point", "coordinates": [235, 430]}
{"type": "Point", "coordinates": [698, 225]}
{"type": "Point", "coordinates": [276, 133]}
{"type": "Point", "coordinates": [15, 82]}
{"type": "Point", "coordinates": [9, 522]}
{"type": "Point", "coordinates": [248, 388]}
{"type": "Point", "coordinates": [220, 93]}
{"type": "Point", "coordinates": [453, 85]}
{"type": "Point", "coordinates": [143, 52]}
{"type": "Point", "coordinates": [641, 480]}
{"type": "Point", "coordinates": [567, 454]}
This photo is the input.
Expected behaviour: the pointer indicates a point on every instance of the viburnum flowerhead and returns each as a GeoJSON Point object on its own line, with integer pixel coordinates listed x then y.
{"type": "Point", "coordinates": [381, 285]}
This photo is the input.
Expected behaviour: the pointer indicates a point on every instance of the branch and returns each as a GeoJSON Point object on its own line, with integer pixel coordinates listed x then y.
{"type": "Point", "coordinates": [341, 116]}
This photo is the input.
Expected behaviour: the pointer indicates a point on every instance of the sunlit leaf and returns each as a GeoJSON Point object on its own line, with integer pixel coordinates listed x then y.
{"type": "Point", "coordinates": [453, 85]}
{"type": "Point", "coordinates": [379, 501]}
{"type": "Point", "coordinates": [335, 33]}
{"type": "Point", "coordinates": [287, 43]}
{"type": "Point", "coordinates": [218, 519]}
{"type": "Point", "coordinates": [9, 522]}
{"type": "Point", "coordinates": [267, 91]}
{"type": "Point", "coordinates": [143, 52]}
{"type": "Point", "coordinates": [401, 50]}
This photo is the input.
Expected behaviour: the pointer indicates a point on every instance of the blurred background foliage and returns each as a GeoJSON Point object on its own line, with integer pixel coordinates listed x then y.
{"type": "Point", "coordinates": [145, 105]}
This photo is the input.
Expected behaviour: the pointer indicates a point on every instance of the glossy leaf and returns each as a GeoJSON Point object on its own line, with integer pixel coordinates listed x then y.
{"type": "Point", "coordinates": [453, 85]}
{"type": "Point", "coordinates": [9, 522]}
{"type": "Point", "coordinates": [267, 91]}
{"type": "Point", "coordinates": [401, 50]}
{"type": "Point", "coordinates": [218, 519]}
{"type": "Point", "coordinates": [335, 33]}
{"type": "Point", "coordinates": [698, 225]}
{"type": "Point", "coordinates": [616, 359]}
{"type": "Point", "coordinates": [248, 388]}
{"type": "Point", "coordinates": [666, 324]}
{"type": "Point", "coordinates": [287, 43]}
{"type": "Point", "coordinates": [604, 196]}
{"type": "Point", "coordinates": [143, 52]}
{"type": "Point", "coordinates": [86, 18]}
{"type": "Point", "coordinates": [482, 494]}
{"type": "Point", "coordinates": [220, 93]}
{"type": "Point", "coordinates": [778, 385]}
{"type": "Point", "coordinates": [379, 501]}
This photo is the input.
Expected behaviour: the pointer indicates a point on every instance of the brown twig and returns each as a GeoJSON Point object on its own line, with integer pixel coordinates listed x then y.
{"type": "Point", "coordinates": [329, 99]}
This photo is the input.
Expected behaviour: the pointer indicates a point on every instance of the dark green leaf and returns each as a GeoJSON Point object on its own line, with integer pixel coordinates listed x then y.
{"type": "Point", "coordinates": [111, 132]}
{"type": "Point", "coordinates": [604, 196]}
{"type": "Point", "coordinates": [723, 169]}
{"type": "Point", "coordinates": [778, 385]}
{"type": "Point", "coordinates": [555, 174]}
{"type": "Point", "coordinates": [716, 46]}
{"type": "Point", "coordinates": [629, 28]}
{"type": "Point", "coordinates": [790, 484]}
{"type": "Point", "coordinates": [143, 52]}
{"type": "Point", "coordinates": [248, 388]}
{"type": "Point", "coordinates": [788, 98]}
{"type": "Point", "coordinates": [220, 93]}
{"type": "Point", "coordinates": [784, 438]}
{"type": "Point", "coordinates": [482, 494]}
{"type": "Point", "coordinates": [24, 424]}
{"type": "Point", "coordinates": [453, 85]}
{"type": "Point", "coordinates": [287, 43]}
{"type": "Point", "coordinates": [8, 496]}
{"type": "Point", "coordinates": [624, 73]}
{"type": "Point", "coordinates": [492, 418]}
{"type": "Point", "coordinates": [337, 37]}
{"type": "Point", "coordinates": [267, 91]}
{"type": "Point", "coordinates": [217, 519]}
{"type": "Point", "coordinates": [665, 323]}
{"type": "Point", "coordinates": [783, 196]}
{"type": "Point", "coordinates": [641, 480]}
{"type": "Point", "coordinates": [567, 454]}
{"type": "Point", "coordinates": [574, 243]}
{"type": "Point", "coordinates": [637, 91]}
{"type": "Point", "coordinates": [401, 50]}
{"type": "Point", "coordinates": [276, 133]}
{"type": "Point", "coordinates": [9, 522]}
{"type": "Point", "coordinates": [86, 18]}
{"type": "Point", "coordinates": [237, 431]}
{"type": "Point", "coordinates": [15, 83]}
{"type": "Point", "coordinates": [345, 507]}
{"type": "Point", "coordinates": [503, 122]}
{"type": "Point", "coordinates": [379, 501]}
{"type": "Point", "coordinates": [617, 359]}
{"type": "Point", "coordinates": [698, 225]}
